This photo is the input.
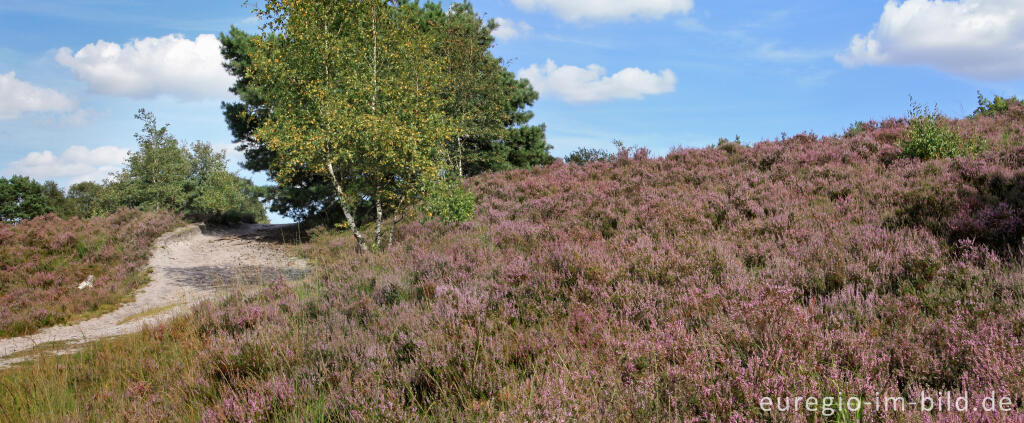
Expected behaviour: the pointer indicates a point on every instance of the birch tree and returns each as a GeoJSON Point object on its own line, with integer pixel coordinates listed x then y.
{"type": "Point", "coordinates": [353, 93]}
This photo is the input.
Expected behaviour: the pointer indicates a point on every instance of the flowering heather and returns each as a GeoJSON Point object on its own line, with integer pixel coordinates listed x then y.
{"type": "Point", "coordinates": [43, 260]}
{"type": "Point", "coordinates": [682, 288]}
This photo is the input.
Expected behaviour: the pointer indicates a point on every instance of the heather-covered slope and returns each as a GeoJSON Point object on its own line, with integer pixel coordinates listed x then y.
{"type": "Point", "coordinates": [692, 286]}
{"type": "Point", "coordinates": [680, 288]}
{"type": "Point", "coordinates": [44, 260]}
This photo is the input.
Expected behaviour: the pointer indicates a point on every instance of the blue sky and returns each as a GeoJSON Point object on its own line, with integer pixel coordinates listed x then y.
{"type": "Point", "coordinates": [657, 73]}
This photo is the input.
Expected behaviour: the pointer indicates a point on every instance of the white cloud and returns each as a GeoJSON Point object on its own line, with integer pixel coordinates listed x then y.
{"type": "Point", "coordinates": [171, 65]}
{"type": "Point", "coordinates": [976, 38]}
{"type": "Point", "coordinates": [607, 10]}
{"type": "Point", "coordinates": [508, 29]}
{"type": "Point", "coordinates": [76, 164]}
{"type": "Point", "coordinates": [230, 151]}
{"type": "Point", "coordinates": [591, 84]}
{"type": "Point", "coordinates": [17, 97]}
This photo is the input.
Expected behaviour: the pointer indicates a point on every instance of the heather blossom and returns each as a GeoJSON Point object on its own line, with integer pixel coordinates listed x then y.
{"type": "Point", "coordinates": [679, 288]}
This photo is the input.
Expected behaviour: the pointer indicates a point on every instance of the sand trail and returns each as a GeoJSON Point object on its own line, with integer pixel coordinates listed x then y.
{"type": "Point", "coordinates": [190, 264]}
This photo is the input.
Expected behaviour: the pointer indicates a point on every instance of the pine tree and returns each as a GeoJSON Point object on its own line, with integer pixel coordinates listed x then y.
{"type": "Point", "coordinates": [498, 138]}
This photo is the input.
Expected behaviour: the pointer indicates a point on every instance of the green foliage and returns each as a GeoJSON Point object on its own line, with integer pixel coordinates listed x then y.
{"type": "Point", "coordinates": [310, 196]}
{"type": "Point", "coordinates": [856, 128]}
{"type": "Point", "coordinates": [584, 155]}
{"type": "Point", "coordinates": [998, 105]}
{"type": "Point", "coordinates": [524, 145]}
{"type": "Point", "coordinates": [355, 91]}
{"type": "Point", "coordinates": [23, 198]}
{"type": "Point", "coordinates": [448, 200]}
{"type": "Point", "coordinates": [929, 136]}
{"type": "Point", "coordinates": [485, 101]}
{"type": "Point", "coordinates": [488, 101]}
{"type": "Point", "coordinates": [89, 199]}
{"type": "Point", "coordinates": [188, 179]}
{"type": "Point", "coordinates": [224, 197]}
{"type": "Point", "coordinates": [156, 176]}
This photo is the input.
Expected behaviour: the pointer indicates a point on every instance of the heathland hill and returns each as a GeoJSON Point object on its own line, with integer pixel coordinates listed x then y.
{"type": "Point", "coordinates": [688, 287]}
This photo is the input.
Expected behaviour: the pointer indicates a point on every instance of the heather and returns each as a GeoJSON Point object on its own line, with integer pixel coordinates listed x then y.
{"type": "Point", "coordinates": [680, 288]}
{"type": "Point", "coordinates": [43, 261]}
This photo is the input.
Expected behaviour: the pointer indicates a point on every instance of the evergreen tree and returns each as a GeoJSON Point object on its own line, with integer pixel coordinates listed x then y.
{"type": "Point", "coordinates": [495, 133]}
{"type": "Point", "coordinates": [486, 101]}
{"type": "Point", "coordinates": [22, 198]}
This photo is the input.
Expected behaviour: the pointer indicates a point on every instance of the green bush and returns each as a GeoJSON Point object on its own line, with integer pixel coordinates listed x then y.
{"type": "Point", "coordinates": [449, 201]}
{"type": "Point", "coordinates": [856, 128]}
{"type": "Point", "coordinates": [585, 155]}
{"type": "Point", "coordinates": [998, 105]}
{"type": "Point", "coordinates": [928, 136]}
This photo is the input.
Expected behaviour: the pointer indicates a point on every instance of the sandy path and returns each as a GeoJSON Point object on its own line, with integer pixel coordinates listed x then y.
{"type": "Point", "coordinates": [189, 265]}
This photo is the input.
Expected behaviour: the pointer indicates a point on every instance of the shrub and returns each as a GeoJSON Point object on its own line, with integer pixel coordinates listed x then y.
{"type": "Point", "coordinates": [89, 199]}
{"type": "Point", "coordinates": [856, 128]}
{"type": "Point", "coordinates": [929, 136]}
{"type": "Point", "coordinates": [729, 146]}
{"type": "Point", "coordinates": [584, 155]}
{"type": "Point", "coordinates": [998, 105]}
{"type": "Point", "coordinates": [448, 200]}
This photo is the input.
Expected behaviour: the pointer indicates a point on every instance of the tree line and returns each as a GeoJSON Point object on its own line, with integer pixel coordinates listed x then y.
{"type": "Point", "coordinates": [360, 111]}
{"type": "Point", "coordinates": [162, 173]}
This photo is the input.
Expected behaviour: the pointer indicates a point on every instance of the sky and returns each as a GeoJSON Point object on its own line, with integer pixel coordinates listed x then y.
{"type": "Point", "coordinates": [653, 73]}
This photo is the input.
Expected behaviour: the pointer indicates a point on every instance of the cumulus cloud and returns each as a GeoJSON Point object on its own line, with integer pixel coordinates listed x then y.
{"type": "Point", "coordinates": [17, 97]}
{"type": "Point", "coordinates": [591, 84]}
{"type": "Point", "coordinates": [607, 10]}
{"type": "Point", "coordinates": [975, 38]}
{"type": "Point", "coordinates": [150, 67]}
{"type": "Point", "coordinates": [76, 164]}
{"type": "Point", "coordinates": [508, 29]}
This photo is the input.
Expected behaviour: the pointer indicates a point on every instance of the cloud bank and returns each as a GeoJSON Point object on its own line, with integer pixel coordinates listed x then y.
{"type": "Point", "coordinates": [981, 39]}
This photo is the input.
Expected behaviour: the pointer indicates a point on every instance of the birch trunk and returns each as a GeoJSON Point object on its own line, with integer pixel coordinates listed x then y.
{"type": "Point", "coordinates": [343, 199]}
{"type": "Point", "coordinates": [380, 222]}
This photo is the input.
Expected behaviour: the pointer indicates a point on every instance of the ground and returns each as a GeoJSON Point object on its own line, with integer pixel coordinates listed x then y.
{"type": "Point", "coordinates": [189, 265]}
